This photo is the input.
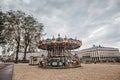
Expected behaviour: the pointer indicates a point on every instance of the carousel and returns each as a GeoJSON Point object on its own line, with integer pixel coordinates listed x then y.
{"type": "Point", "coordinates": [59, 52]}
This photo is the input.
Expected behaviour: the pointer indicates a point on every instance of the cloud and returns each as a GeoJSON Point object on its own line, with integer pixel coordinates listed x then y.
{"type": "Point", "coordinates": [117, 20]}
{"type": "Point", "coordinates": [96, 32]}
{"type": "Point", "coordinates": [27, 1]}
{"type": "Point", "coordinates": [93, 21]}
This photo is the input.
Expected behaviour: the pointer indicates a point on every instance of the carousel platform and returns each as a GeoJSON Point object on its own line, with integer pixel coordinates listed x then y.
{"type": "Point", "coordinates": [60, 67]}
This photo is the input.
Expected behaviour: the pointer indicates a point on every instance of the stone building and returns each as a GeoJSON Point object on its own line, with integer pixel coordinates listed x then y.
{"type": "Point", "coordinates": [99, 54]}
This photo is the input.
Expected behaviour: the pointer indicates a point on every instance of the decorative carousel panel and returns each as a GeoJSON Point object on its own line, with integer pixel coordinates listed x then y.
{"type": "Point", "coordinates": [59, 42]}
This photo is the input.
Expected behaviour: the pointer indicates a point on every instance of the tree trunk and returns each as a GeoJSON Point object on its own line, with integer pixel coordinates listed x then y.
{"type": "Point", "coordinates": [25, 51]}
{"type": "Point", "coordinates": [17, 51]}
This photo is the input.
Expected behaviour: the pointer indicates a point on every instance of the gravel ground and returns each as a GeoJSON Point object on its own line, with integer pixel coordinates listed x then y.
{"type": "Point", "coordinates": [1, 65]}
{"type": "Point", "coordinates": [86, 72]}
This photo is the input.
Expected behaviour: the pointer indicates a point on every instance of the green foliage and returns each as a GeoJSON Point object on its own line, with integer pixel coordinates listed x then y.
{"type": "Point", "coordinates": [20, 30]}
{"type": "Point", "coordinates": [2, 15]}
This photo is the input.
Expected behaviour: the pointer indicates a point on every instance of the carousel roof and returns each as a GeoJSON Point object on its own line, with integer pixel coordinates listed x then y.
{"type": "Point", "coordinates": [62, 43]}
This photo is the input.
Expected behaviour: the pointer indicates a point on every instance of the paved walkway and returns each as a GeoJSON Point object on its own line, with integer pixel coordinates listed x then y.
{"type": "Point", "coordinates": [6, 73]}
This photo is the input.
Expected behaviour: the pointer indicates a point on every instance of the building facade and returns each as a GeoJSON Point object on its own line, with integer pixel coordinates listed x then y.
{"type": "Point", "coordinates": [99, 54]}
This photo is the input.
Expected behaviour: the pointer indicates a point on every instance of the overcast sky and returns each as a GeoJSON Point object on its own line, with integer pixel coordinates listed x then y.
{"type": "Point", "coordinates": [92, 21]}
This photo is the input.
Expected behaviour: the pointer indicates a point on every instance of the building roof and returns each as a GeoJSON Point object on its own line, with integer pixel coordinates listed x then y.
{"type": "Point", "coordinates": [99, 47]}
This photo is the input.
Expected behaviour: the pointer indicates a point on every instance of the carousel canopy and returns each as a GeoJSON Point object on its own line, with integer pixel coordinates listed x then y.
{"type": "Point", "coordinates": [61, 43]}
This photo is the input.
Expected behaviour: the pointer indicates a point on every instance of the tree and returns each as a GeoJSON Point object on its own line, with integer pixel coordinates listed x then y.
{"type": "Point", "coordinates": [31, 26]}
{"type": "Point", "coordinates": [1, 27]}
{"type": "Point", "coordinates": [13, 23]}
{"type": "Point", "coordinates": [20, 30]}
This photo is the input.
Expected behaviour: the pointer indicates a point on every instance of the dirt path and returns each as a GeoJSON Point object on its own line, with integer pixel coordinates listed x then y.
{"type": "Point", "coordinates": [86, 72]}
